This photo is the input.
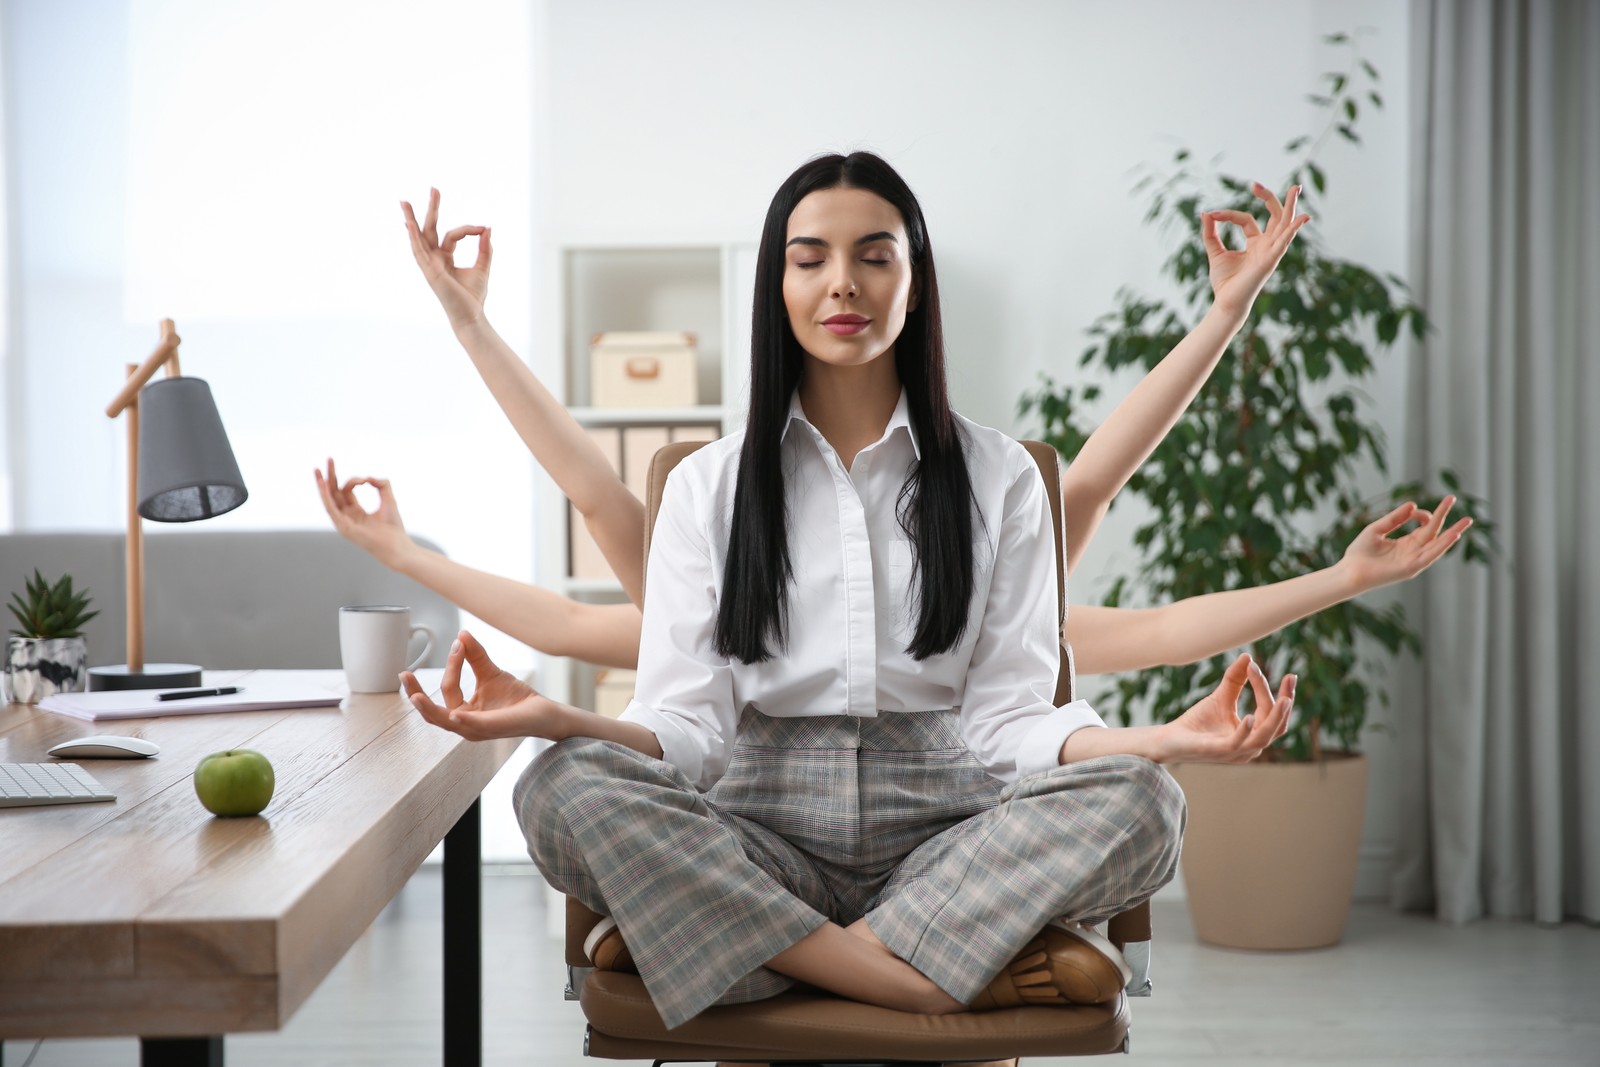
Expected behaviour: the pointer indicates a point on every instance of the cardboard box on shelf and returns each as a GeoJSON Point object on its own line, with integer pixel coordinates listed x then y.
{"type": "Point", "coordinates": [613, 689]}
{"type": "Point", "coordinates": [695, 433]}
{"type": "Point", "coordinates": [639, 446]}
{"type": "Point", "coordinates": [630, 369]}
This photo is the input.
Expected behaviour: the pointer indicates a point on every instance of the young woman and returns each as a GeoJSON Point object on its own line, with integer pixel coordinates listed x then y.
{"type": "Point", "coordinates": [842, 765]}
{"type": "Point", "coordinates": [1103, 639]}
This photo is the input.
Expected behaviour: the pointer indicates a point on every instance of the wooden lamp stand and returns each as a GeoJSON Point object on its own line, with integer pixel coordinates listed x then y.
{"type": "Point", "coordinates": [136, 673]}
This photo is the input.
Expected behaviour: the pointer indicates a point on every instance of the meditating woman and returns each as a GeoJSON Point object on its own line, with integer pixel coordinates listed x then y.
{"type": "Point", "coordinates": [842, 765]}
{"type": "Point", "coordinates": [1103, 639]}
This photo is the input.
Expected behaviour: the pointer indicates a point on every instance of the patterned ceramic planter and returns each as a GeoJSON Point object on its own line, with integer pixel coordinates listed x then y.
{"type": "Point", "coordinates": [37, 668]}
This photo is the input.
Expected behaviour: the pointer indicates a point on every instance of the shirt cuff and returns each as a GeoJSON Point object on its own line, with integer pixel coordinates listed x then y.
{"type": "Point", "coordinates": [1041, 746]}
{"type": "Point", "coordinates": [677, 747]}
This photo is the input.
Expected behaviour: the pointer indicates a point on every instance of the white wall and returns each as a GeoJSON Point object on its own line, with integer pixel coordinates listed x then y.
{"type": "Point", "coordinates": [1019, 124]}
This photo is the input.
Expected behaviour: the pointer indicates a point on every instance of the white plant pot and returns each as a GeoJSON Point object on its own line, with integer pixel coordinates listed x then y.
{"type": "Point", "coordinates": [36, 668]}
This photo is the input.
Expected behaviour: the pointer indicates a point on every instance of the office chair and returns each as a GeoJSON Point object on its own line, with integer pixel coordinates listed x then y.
{"type": "Point", "coordinates": [818, 1027]}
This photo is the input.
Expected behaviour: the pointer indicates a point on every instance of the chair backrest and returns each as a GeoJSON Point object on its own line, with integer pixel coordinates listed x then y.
{"type": "Point", "coordinates": [226, 598]}
{"type": "Point", "coordinates": [1044, 457]}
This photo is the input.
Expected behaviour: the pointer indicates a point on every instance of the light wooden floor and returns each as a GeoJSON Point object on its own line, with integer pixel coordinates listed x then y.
{"type": "Point", "coordinates": [1399, 990]}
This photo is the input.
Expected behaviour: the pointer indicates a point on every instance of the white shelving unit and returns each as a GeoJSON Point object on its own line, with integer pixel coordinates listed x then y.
{"type": "Point", "coordinates": [601, 284]}
{"type": "Point", "coordinates": [657, 284]}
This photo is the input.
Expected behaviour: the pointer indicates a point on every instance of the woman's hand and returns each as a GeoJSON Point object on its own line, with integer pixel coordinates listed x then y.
{"type": "Point", "coordinates": [1237, 277]}
{"type": "Point", "coordinates": [502, 705]}
{"type": "Point", "coordinates": [1212, 731]}
{"type": "Point", "coordinates": [460, 289]}
{"type": "Point", "coordinates": [1375, 559]}
{"type": "Point", "coordinates": [378, 533]}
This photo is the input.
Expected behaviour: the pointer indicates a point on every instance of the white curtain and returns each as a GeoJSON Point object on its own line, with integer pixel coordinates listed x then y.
{"type": "Point", "coordinates": [8, 419]}
{"type": "Point", "coordinates": [1501, 739]}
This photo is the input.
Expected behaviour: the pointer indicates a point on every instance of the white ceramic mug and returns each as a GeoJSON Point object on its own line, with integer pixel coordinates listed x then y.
{"type": "Point", "coordinates": [373, 639]}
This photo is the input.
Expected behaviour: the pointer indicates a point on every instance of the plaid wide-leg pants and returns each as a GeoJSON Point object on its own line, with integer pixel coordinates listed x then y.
{"type": "Point", "coordinates": [835, 818]}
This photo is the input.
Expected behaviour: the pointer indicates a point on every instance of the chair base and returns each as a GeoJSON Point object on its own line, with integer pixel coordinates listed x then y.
{"type": "Point", "coordinates": [812, 1027]}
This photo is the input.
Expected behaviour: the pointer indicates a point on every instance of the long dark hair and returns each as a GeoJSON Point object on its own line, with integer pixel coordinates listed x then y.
{"type": "Point", "coordinates": [935, 505]}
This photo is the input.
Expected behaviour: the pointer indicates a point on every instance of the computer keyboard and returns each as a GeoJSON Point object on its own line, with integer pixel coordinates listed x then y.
{"type": "Point", "coordinates": [25, 784]}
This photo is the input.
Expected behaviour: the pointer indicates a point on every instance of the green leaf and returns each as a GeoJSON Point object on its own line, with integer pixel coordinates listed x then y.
{"type": "Point", "coordinates": [1388, 327]}
{"type": "Point", "coordinates": [1348, 134]}
{"type": "Point", "coordinates": [1318, 181]}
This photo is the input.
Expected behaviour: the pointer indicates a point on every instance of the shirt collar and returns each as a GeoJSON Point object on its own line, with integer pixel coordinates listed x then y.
{"type": "Point", "coordinates": [900, 420]}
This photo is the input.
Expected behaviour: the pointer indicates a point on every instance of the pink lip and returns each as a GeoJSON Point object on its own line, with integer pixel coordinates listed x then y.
{"type": "Point", "coordinates": [844, 325]}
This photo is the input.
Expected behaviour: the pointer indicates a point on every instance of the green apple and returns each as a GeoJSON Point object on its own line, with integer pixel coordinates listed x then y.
{"type": "Point", "coordinates": [236, 782]}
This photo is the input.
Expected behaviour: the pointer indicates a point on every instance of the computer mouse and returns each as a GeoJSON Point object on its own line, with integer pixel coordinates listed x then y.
{"type": "Point", "coordinates": [105, 746]}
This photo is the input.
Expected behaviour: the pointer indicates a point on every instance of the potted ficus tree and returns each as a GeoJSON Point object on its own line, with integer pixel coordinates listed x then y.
{"type": "Point", "coordinates": [1241, 493]}
{"type": "Point", "coordinates": [47, 653]}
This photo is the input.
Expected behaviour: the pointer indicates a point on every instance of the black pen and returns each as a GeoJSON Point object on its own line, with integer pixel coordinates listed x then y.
{"type": "Point", "coordinates": [224, 691]}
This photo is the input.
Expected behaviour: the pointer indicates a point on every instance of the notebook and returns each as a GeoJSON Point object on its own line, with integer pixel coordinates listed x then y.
{"type": "Point", "coordinates": [141, 703]}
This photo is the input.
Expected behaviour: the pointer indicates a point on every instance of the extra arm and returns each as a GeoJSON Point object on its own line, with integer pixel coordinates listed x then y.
{"type": "Point", "coordinates": [1120, 445]}
{"type": "Point", "coordinates": [603, 634]}
{"type": "Point", "coordinates": [614, 516]}
{"type": "Point", "coordinates": [606, 634]}
{"type": "Point", "coordinates": [1105, 640]}
{"type": "Point", "coordinates": [1108, 640]}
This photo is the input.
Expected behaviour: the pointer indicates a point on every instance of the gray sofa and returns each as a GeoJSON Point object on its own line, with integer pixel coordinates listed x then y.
{"type": "Point", "coordinates": [224, 599]}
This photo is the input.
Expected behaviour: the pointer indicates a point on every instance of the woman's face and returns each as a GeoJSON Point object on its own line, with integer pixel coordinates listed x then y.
{"type": "Point", "coordinates": [847, 275]}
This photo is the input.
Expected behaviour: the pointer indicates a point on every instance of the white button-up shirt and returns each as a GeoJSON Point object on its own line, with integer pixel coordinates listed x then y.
{"type": "Point", "coordinates": [852, 608]}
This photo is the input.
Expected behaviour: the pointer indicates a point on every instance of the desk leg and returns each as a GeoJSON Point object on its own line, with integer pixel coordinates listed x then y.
{"type": "Point", "coordinates": [463, 942]}
{"type": "Point", "coordinates": [180, 1051]}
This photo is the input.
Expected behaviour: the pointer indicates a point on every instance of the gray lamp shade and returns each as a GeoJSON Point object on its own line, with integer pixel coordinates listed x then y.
{"type": "Point", "coordinates": [186, 466]}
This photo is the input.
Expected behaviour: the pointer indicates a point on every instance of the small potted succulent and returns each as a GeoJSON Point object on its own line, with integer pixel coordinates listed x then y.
{"type": "Point", "coordinates": [48, 653]}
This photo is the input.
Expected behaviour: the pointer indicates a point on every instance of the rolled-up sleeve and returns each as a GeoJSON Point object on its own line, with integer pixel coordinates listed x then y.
{"type": "Point", "coordinates": [1008, 714]}
{"type": "Point", "coordinates": [685, 687]}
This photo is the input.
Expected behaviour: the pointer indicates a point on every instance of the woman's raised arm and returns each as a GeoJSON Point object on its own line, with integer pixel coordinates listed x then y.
{"type": "Point", "coordinates": [613, 515]}
{"type": "Point", "coordinates": [1107, 640]}
{"type": "Point", "coordinates": [603, 634]}
{"type": "Point", "coordinates": [1121, 444]}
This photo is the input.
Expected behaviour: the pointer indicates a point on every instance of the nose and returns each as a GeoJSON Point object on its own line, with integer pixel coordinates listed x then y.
{"type": "Point", "coordinates": [844, 285]}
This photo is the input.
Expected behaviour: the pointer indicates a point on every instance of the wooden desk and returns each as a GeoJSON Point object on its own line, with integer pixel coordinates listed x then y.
{"type": "Point", "coordinates": [149, 916]}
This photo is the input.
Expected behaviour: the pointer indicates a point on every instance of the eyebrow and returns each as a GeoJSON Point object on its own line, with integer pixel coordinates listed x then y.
{"type": "Point", "coordinates": [881, 235]}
